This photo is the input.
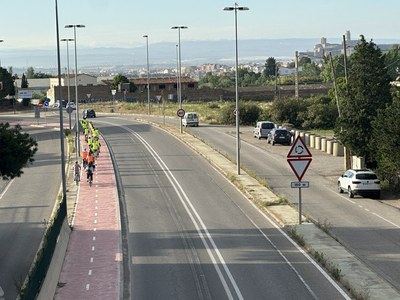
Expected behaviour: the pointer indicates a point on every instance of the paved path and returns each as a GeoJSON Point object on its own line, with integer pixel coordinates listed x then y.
{"type": "Point", "coordinates": [92, 266]}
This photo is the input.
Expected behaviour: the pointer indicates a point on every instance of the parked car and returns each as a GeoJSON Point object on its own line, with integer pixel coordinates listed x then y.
{"type": "Point", "coordinates": [359, 182]}
{"type": "Point", "coordinates": [89, 113]}
{"type": "Point", "coordinates": [279, 136]}
{"type": "Point", "coordinates": [190, 119]}
{"type": "Point", "coordinates": [262, 129]}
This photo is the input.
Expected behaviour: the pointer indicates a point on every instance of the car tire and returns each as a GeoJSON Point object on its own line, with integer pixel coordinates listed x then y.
{"type": "Point", "coordinates": [259, 137]}
{"type": "Point", "coordinates": [272, 143]}
{"type": "Point", "coordinates": [340, 190]}
{"type": "Point", "coordinates": [350, 192]}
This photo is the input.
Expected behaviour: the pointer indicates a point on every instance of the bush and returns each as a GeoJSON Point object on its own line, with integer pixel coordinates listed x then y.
{"type": "Point", "coordinates": [249, 113]}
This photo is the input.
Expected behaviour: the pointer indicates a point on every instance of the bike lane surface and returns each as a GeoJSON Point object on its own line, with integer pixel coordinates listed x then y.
{"type": "Point", "coordinates": [92, 265]}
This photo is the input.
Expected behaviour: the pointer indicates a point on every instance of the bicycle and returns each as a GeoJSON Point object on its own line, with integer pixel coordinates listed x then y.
{"type": "Point", "coordinates": [77, 178]}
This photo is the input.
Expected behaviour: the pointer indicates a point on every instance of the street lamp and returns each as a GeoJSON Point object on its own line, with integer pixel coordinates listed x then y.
{"type": "Point", "coordinates": [63, 205]}
{"type": "Point", "coordinates": [236, 8]}
{"type": "Point", "coordinates": [1, 42]}
{"type": "Point", "coordinates": [179, 70]}
{"type": "Point", "coordinates": [78, 144]}
{"type": "Point", "coordinates": [69, 94]}
{"type": "Point", "coordinates": [148, 74]}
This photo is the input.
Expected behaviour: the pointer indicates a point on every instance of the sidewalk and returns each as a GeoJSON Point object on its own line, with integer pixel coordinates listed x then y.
{"type": "Point", "coordinates": [92, 265]}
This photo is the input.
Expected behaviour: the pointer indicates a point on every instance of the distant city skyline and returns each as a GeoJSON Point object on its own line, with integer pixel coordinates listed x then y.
{"type": "Point", "coordinates": [122, 23]}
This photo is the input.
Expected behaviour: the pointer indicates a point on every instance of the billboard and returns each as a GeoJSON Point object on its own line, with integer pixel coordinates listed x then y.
{"type": "Point", "coordinates": [25, 94]}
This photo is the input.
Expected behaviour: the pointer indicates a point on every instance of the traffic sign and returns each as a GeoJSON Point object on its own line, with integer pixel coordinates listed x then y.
{"type": "Point", "coordinates": [299, 149]}
{"type": "Point", "coordinates": [300, 184]}
{"type": "Point", "coordinates": [180, 113]}
{"type": "Point", "coordinates": [299, 166]}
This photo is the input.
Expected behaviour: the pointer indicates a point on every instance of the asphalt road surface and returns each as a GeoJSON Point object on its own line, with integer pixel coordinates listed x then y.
{"type": "Point", "coordinates": [26, 204]}
{"type": "Point", "coordinates": [192, 235]}
{"type": "Point", "coordinates": [369, 228]}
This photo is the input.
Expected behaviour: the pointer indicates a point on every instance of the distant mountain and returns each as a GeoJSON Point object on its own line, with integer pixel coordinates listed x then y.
{"type": "Point", "coordinates": [162, 54]}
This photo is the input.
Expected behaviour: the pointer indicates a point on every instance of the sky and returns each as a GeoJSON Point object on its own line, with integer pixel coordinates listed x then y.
{"type": "Point", "coordinates": [122, 23]}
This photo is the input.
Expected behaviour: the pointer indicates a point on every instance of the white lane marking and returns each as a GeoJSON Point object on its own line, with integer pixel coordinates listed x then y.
{"type": "Point", "coordinates": [94, 238]}
{"type": "Point", "coordinates": [5, 191]}
{"type": "Point", "coordinates": [93, 248]}
{"type": "Point", "coordinates": [87, 287]}
{"type": "Point", "coordinates": [199, 224]}
{"type": "Point", "coordinates": [368, 210]}
{"type": "Point", "coordinates": [384, 219]}
{"type": "Point", "coordinates": [90, 273]}
{"type": "Point", "coordinates": [1, 292]}
{"type": "Point", "coordinates": [91, 259]}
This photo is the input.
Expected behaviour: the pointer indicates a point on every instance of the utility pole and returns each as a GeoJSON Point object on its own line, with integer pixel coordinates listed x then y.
{"type": "Point", "coordinates": [296, 75]}
{"type": "Point", "coordinates": [345, 59]}
{"type": "Point", "coordinates": [334, 83]}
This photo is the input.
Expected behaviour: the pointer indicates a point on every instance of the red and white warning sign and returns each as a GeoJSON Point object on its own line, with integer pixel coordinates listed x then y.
{"type": "Point", "coordinates": [299, 166]}
{"type": "Point", "coordinates": [299, 149]}
{"type": "Point", "coordinates": [299, 158]}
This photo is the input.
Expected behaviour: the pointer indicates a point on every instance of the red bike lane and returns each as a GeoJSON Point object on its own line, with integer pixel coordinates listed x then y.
{"type": "Point", "coordinates": [92, 265]}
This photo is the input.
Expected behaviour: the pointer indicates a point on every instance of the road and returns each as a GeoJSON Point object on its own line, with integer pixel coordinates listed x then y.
{"type": "Point", "coordinates": [192, 235]}
{"type": "Point", "coordinates": [368, 228]}
{"type": "Point", "coordinates": [26, 204]}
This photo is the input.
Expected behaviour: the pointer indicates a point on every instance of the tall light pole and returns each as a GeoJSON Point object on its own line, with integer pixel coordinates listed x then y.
{"type": "Point", "coordinates": [0, 59]}
{"type": "Point", "coordinates": [179, 71]}
{"type": "Point", "coordinates": [69, 94]}
{"type": "Point", "coordinates": [148, 74]}
{"type": "Point", "coordinates": [78, 143]}
{"type": "Point", "coordinates": [63, 205]}
{"type": "Point", "coordinates": [236, 8]}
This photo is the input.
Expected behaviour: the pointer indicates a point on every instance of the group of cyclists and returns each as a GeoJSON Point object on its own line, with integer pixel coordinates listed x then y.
{"type": "Point", "coordinates": [88, 155]}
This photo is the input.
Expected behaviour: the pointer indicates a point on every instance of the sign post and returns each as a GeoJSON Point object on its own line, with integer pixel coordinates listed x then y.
{"type": "Point", "coordinates": [299, 159]}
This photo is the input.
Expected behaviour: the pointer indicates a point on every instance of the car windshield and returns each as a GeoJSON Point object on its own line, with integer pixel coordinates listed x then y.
{"type": "Point", "coordinates": [366, 176]}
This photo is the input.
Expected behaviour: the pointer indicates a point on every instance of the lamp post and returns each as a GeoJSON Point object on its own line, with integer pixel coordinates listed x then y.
{"type": "Point", "coordinates": [235, 9]}
{"type": "Point", "coordinates": [148, 74]}
{"type": "Point", "coordinates": [0, 60]}
{"type": "Point", "coordinates": [179, 71]}
{"type": "Point", "coordinates": [63, 205]}
{"type": "Point", "coordinates": [69, 94]}
{"type": "Point", "coordinates": [78, 144]}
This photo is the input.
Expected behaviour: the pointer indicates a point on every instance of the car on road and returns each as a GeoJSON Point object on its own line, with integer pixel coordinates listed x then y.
{"type": "Point", "coordinates": [89, 113]}
{"type": "Point", "coordinates": [262, 129]}
{"type": "Point", "coordinates": [359, 182]}
{"type": "Point", "coordinates": [190, 119]}
{"type": "Point", "coordinates": [279, 136]}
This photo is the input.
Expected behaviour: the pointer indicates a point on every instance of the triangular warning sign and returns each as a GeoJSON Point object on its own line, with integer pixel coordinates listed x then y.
{"type": "Point", "coordinates": [299, 166]}
{"type": "Point", "coordinates": [299, 149]}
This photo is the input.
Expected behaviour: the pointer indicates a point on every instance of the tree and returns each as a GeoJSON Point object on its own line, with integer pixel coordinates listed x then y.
{"type": "Point", "coordinates": [385, 137]}
{"type": "Point", "coordinates": [270, 67]}
{"type": "Point", "coordinates": [7, 87]}
{"type": "Point", "coordinates": [16, 151]}
{"type": "Point", "coordinates": [24, 82]}
{"type": "Point", "coordinates": [368, 91]}
{"type": "Point", "coordinates": [304, 60]}
{"type": "Point", "coordinates": [392, 61]}
{"type": "Point", "coordinates": [118, 79]}
{"type": "Point", "coordinates": [30, 73]}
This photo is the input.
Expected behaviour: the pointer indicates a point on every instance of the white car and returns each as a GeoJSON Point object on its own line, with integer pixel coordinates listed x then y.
{"type": "Point", "coordinates": [190, 119]}
{"type": "Point", "coordinates": [262, 129]}
{"type": "Point", "coordinates": [359, 182]}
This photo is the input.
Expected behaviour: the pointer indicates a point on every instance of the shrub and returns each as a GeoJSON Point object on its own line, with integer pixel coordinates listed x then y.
{"type": "Point", "coordinates": [249, 113]}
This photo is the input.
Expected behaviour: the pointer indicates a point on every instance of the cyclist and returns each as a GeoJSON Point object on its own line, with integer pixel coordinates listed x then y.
{"type": "Point", "coordinates": [77, 172]}
{"type": "Point", "coordinates": [84, 157]}
{"type": "Point", "coordinates": [89, 172]}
